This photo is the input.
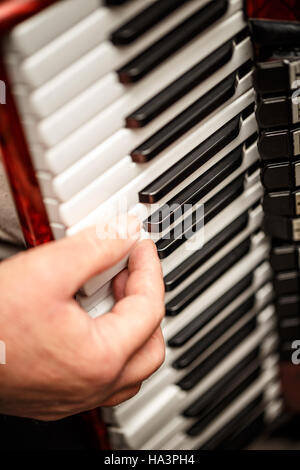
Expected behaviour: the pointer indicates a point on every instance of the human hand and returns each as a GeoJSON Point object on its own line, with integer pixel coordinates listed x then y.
{"type": "Point", "coordinates": [59, 360]}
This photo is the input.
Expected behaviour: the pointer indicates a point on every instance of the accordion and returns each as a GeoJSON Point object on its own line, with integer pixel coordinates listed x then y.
{"type": "Point", "coordinates": [153, 103]}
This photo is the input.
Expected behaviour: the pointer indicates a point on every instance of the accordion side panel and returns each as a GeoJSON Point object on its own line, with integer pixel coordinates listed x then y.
{"type": "Point", "coordinates": [24, 185]}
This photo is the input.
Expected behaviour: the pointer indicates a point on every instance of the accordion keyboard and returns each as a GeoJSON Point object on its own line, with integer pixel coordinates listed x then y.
{"type": "Point", "coordinates": [143, 106]}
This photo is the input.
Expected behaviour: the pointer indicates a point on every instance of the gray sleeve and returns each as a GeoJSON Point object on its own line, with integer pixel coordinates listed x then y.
{"type": "Point", "coordinates": [10, 231]}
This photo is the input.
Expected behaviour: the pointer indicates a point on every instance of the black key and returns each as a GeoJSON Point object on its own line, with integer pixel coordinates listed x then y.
{"type": "Point", "coordinates": [240, 386]}
{"type": "Point", "coordinates": [279, 145]}
{"type": "Point", "coordinates": [277, 112]}
{"type": "Point", "coordinates": [208, 399]}
{"type": "Point", "coordinates": [200, 187]}
{"type": "Point", "coordinates": [283, 228]}
{"type": "Point", "coordinates": [142, 22]}
{"type": "Point", "coordinates": [248, 430]}
{"type": "Point", "coordinates": [185, 297]}
{"type": "Point", "coordinates": [181, 272]}
{"type": "Point", "coordinates": [187, 228]}
{"type": "Point", "coordinates": [115, 3]}
{"type": "Point", "coordinates": [184, 335]}
{"type": "Point", "coordinates": [282, 203]}
{"type": "Point", "coordinates": [199, 372]}
{"type": "Point", "coordinates": [170, 43]}
{"type": "Point", "coordinates": [180, 87]}
{"type": "Point", "coordinates": [287, 283]}
{"type": "Point", "coordinates": [190, 163]}
{"type": "Point", "coordinates": [285, 257]}
{"type": "Point", "coordinates": [283, 175]}
{"type": "Point", "coordinates": [288, 306]}
{"type": "Point", "coordinates": [252, 411]}
{"type": "Point", "coordinates": [204, 343]}
{"type": "Point", "coordinates": [185, 120]}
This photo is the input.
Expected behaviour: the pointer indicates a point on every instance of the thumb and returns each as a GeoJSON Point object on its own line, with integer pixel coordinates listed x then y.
{"type": "Point", "coordinates": [70, 262]}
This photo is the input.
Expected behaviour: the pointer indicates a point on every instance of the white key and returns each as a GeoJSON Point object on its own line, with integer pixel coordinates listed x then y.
{"type": "Point", "coordinates": [90, 135]}
{"type": "Point", "coordinates": [120, 414]}
{"type": "Point", "coordinates": [172, 400]}
{"type": "Point", "coordinates": [178, 424]}
{"type": "Point", "coordinates": [86, 35]}
{"type": "Point", "coordinates": [58, 126]}
{"type": "Point", "coordinates": [72, 211]}
{"type": "Point", "coordinates": [255, 223]}
{"type": "Point", "coordinates": [234, 210]}
{"type": "Point", "coordinates": [230, 413]}
{"type": "Point", "coordinates": [88, 69]}
{"type": "Point", "coordinates": [249, 197]}
{"type": "Point", "coordinates": [36, 32]}
{"type": "Point", "coordinates": [68, 183]}
{"type": "Point", "coordinates": [93, 284]}
{"type": "Point", "coordinates": [183, 441]}
{"type": "Point", "coordinates": [167, 157]}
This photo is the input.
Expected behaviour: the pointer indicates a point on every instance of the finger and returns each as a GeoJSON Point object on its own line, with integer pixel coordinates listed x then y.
{"type": "Point", "coordinates": [119, 285]}
{"type": "Point", "coordinates": [134, 319]}
{"type": "Point", "coordinates": [144, 363]}
{"type": "Point", "coordinates": [145, 273]}
{"type": "Point", "coordinates": [121, 396]}
{"type": "Point", "coordinates": [67, 264]}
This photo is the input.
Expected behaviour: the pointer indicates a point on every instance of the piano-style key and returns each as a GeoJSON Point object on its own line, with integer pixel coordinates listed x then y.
{"type": "Point", "coordinates": [186, 333]}
{"type": "Point", "coordinates": [190, 163]}
{"type": "Point", "coordinates": [106, 189]}
{"type": "Point", "coordinates": [250, 196]}
{"type": "Point", "coordinates": [147, 19]}
{"type": "Point", "coordinates": [228, 421]}
{"type": "Point", "coordinates": [170, 436]}
{"type": "Point", "coordinates": [67, 181]}
{"type": "Point", "coordinates": [56, 93]}
{"type": "Point", "coordinates": [150, 58]}
{"type": "Point", "coordinates": [199, 372]}
{"type": "Point", "coordinates": [178, 303]}
{"type": "Point", "coordinates": [185, 121]}
{"type": "Point", "coordinates": [189, 356]}
{"type": "Point", "coordinates": [110, 122]}
{"type": "Point", "coordinates": [59, 126]}
{"type": "Point", "coordinates": [34, 68]}
{"type": "Point", "coordinates": [64, 50]}
{"type": "Point", "coordinates": [151, 109]}
{"type": "Point", "coordinates": [173, 209]}
{"type": "Point", "coordinates": [36, 32]}
{"type": "Point", "coordinates": [114, 3]}
{"type": "Point", "coordinates": [252, 410]}
{"type": "Point", "coordinates": [212, 396]}
{"type": "Point", "coordinates": [175, 277]}
{"type": "Point", "coordinates": [246, 378]}
{"type": "Point", "coordinates": [168, 375]}
{"type": "Point", "coordinates": [171, 401]}
{"type": "Point", "coordinates": [167, 244]}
